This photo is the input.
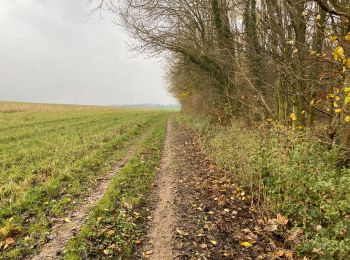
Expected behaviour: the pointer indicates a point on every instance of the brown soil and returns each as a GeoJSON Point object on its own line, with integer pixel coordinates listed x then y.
{"type": "Point", "coordinates": [68, 228]}
{"type": "Point", "coordinates": [159, 244]}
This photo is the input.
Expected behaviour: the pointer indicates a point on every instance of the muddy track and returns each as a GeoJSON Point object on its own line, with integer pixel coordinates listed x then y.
{"type": "Point", "coordinates": [62, 233]}
{"type": "Point", "coordinates": [159, 245]}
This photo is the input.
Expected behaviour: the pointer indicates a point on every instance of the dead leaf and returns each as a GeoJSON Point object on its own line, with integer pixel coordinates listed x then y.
{"type": "Point", "coordinates": [203, 246]}
{"type": "Point", "coordinates": [245, 244]}
{"type": "Point", "coordinates": [271, 226]}
{"type": "Point", "coordinates": [9, 241]}
{"type": "Point", "coordinates": [99, 219]}
{"type": "Point", "coordinates": [110, 232]}
{"type": "Point", "coordinates": [213, 242]}
{"type": "Point", "coordinates": [281, 220]}
{"type": "Point", "coordinates": [286, 253]}
{"type": "Point", "coordinates": [148, 253]}
{"type": "Point", "coordinates": [295, 236]}
{"type": "Point", "coordinates": [67, 220]}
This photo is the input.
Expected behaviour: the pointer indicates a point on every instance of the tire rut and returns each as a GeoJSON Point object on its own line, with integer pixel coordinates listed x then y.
{"type": "Point", "coordinates": [62, 233]}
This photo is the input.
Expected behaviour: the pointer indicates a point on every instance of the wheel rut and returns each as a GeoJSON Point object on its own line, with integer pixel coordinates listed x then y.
{"type": "Point", "coordinates": [68, 228]}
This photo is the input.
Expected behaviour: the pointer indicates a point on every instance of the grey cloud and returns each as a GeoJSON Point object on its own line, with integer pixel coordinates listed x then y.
{"type": "Point", "coordinates": [51, 52]}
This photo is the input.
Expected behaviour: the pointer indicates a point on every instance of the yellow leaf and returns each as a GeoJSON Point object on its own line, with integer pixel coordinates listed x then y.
{"type": "Point", "coordinates": [67, 220]}
{"type": "Point", "coordinates": [245, 244]}
{"type": "Point", "coordinates": [291, 42]}
{"type": "Point", "coordinates": [338, 110]}
{"type": "Point", "coordinates": [333, 38]}
{"type": "Point", "coordinates": [347, 89]}
{"type": "Point", "coordinates": [338, 53]}
{"type": "Point", "coordinates": [213, 242]}
{"type": "Point", "coordinates": [347, 37]}
{"type": "Point", "coordinates": [337, 98]}
{"type": "Point", "coordinates": [293, 117]}
{"type": "Point", "coordinates": [312, 52]}
{"type": "Point", "coordinates": [347, 119]}
{"type": "Point", "coordinates": [318, 17]}
{"type": "Point", "coordinates": [344, 69]}
{"type": "Point", "coordinates": [347, 100]}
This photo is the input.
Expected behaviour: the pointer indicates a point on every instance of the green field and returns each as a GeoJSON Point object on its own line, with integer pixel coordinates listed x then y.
{"type": "Point", "coordinates": [52, 157]}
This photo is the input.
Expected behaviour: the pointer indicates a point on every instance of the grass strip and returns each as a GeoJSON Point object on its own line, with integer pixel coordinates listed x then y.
{"type": "Point", "coordinates": [115, 226]}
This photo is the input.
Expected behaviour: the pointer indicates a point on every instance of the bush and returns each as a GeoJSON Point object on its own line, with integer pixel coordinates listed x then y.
{"type": "Point", "coordinates": [292, 173]}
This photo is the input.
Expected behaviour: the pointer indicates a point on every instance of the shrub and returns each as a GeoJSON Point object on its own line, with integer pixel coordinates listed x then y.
{"type": "Point", "coordinates": [292, 173]}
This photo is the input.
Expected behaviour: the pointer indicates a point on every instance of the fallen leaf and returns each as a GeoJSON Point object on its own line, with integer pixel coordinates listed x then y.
{"type": "Point", "coordinates": [245, 244]}
{"type": "Point", "coordinates": [203, 246]}
{"type": "Point", "coordinates": [67, 220]}
{"type": "Point", "coordinates": [110, 232]}
{"type": "Point", "coordinates": [9, 241]}
{"type": "Point", "coordinates": [180, 232]}
{"type": "Point", "coordinates": [295, 236]}
{"type": "Point", "coordinates": [148, 253]}
{"type": "Point", "coordinates": [281, 220]}
{"type": "Point", "coordinates": [213, 242]}
{"type": "Point", "coordinates": [271, 226]}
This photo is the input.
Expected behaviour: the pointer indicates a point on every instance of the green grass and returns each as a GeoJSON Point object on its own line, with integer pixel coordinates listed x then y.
{"type": "Point", "coordinates": [51, 159]}
{"type": "Point", "coordinates": [292, 173]}
{"type": "Point", "coordinates": [115, 226]}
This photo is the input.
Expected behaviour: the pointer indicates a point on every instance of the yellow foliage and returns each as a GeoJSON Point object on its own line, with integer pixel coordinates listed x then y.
{"type": "Point", "coordinates": [293, 117]}
{"type": "Point", "coordinates": [347, 37]}
{"type": "Point", "coordinates": [338, 110]}
{"type": "Point", "coordinates": [338, 53]}
{"type": "Point", "coordinates": [245, 244]}
{"type": "Point", "coordinates": [347, 100]}
{"type": "Point", "coordinates": [347, 119]}
{"type": "Point", "coordinates": [333, 38]}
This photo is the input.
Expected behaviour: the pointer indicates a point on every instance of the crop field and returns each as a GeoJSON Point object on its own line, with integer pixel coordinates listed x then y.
{"type": "Point", "coordinates": [52, 158]}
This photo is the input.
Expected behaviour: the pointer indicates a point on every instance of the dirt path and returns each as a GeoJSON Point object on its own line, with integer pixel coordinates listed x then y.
{"type": "Point", "coordinates": [162, 225]}
{"type": "Point", "coordinates": [61, 233]}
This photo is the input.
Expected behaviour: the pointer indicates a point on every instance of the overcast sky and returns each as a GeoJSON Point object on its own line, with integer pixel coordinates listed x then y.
{"type": "Point", "coordinates": [51, 52]}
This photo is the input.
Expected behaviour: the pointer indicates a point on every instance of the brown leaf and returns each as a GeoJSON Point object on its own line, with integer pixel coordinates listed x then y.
{"type": "Point", "coordinates": [110, 232]}
{"type": "Point", "coordinates": [271, 226]}
{"type": "Point", "coordinates": [295, 236]}
{"type": "Point", "coordinates": [281, 220]}
{"type": "Point", "coordinates": [203, 246]}
{"type": "Point", "coordinates": [9, 241]}
{"type": "Point", "coordinates": [148, 253]}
